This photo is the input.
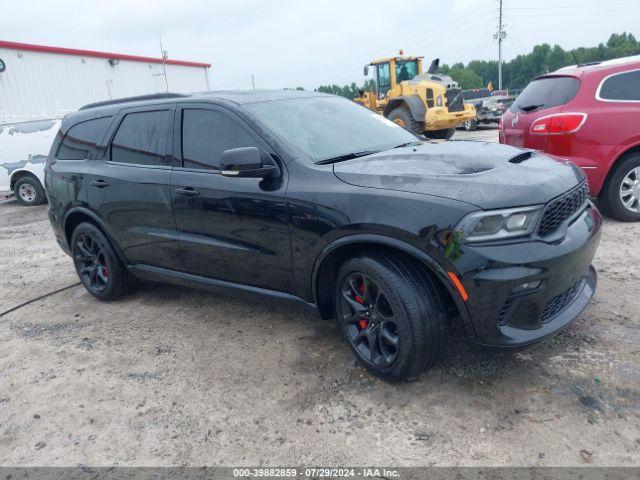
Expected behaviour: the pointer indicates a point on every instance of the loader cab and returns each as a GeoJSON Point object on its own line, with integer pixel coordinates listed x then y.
{"type": "Point", "coordinates": [390, 72]}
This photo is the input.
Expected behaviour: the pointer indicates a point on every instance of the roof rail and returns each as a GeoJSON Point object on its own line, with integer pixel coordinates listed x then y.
{"type": "Point", "coordinates": [154, 96]}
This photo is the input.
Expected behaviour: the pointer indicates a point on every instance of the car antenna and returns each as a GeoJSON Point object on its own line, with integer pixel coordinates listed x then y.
{"type": "Point", "coordinates": [573, 54]}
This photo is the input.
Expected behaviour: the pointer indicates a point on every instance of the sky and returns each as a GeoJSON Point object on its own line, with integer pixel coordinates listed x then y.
{"type": "Point", "coordinates": [289, 43]}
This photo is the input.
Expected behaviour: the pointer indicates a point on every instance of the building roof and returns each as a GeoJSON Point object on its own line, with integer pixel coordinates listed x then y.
{"type": "Point", "coordinates": [92, 53]}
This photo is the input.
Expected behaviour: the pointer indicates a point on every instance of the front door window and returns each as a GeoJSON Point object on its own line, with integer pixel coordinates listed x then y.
{"type": "Point", "coordinates": [384, 80]}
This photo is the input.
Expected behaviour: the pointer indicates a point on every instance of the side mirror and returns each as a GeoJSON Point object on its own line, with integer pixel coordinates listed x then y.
{"type": "Point", "coordinates": [366, 70]}
{"type": "Point", "coordinates": [246, 162]}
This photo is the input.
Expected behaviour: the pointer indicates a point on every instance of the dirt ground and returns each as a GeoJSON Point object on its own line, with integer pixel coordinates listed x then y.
{"type": "Point", "coordinates": [171, 376]}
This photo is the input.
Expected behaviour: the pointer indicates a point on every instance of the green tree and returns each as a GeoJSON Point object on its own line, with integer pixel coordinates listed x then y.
{"type": "Point", "coordinates": [518, 72]}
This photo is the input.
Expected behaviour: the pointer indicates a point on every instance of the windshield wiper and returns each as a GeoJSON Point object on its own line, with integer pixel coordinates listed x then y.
{"type": "Point", "coordinates": [346, 156]}
{"type": "Point", "coordinates": [531, 108]}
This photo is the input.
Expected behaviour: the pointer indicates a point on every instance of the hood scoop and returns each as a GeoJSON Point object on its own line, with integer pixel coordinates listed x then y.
{"type": "Point", "coordinates": [521, 157]}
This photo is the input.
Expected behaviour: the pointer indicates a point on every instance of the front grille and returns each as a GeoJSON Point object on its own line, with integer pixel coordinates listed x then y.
{"type": "Point", "coordinates": [455, 102]}
{"type": "Point", "coordinates": [559, 302]}
{"type": "Point", "coordinates": [558, 210]}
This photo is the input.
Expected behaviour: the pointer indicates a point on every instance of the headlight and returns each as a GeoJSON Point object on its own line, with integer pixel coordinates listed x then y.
{"type": "Point", "coordinates": [499, 224]}
{"type": "Point", "coordinates": [439, 101]}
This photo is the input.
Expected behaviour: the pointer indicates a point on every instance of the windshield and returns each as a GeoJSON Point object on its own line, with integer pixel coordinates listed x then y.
{"type": "Point", "coordinates": [546, 92]}
{"type": "Point", "coordinates": [330, 127]}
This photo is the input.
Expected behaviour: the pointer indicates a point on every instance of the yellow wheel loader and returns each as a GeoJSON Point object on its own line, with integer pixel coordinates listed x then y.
{"type": "Point", "coordinates": [427, 103]}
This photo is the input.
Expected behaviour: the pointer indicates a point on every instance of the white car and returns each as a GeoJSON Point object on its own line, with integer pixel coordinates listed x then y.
{"type": "Point", "coordinates": [24, 148]}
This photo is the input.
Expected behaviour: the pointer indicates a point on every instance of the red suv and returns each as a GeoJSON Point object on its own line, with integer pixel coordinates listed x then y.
{"type": "Point", "coordinates": [588, 115]}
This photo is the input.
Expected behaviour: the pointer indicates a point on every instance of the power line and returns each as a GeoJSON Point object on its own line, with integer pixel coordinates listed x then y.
{"type": "Point", "coordinates": [574, 14]}
{"type": "Point", "coordinates": [435, 40]}
{"type": "Point", "coordinates": [434, 36]}
{"type": "Point", "coordinates": [592, 5]}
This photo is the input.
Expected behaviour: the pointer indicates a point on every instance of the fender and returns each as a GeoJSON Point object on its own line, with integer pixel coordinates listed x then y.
{"type": "Point", "coordinates": [101, 225]}
{"type": "Point", "coordinates": [25, 172]}
{"type": "Point", "coordinates": [622, 151]}
{"type": "Point", "coordinates": [405, 247]}
{"type": "Point", "coordinates": [414, 102]}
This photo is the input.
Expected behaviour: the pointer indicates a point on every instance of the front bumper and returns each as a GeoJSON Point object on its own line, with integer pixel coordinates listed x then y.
{"type": "Point", "coordinates": [503, 315]}
{"type": "Point", "coordinates": [489, 116]}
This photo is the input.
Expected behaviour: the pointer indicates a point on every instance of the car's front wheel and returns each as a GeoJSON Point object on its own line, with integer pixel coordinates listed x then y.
{"type": "Point", "coordinates": [29, 192]}
{"type": "Point", "coordinates": [97, 264]}
{"type": "Point", "coordinates": [621, 193]}
{"type": "Point", "coordinates": [390, 315]}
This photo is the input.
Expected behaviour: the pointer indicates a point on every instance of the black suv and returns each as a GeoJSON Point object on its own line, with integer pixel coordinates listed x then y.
{"type": "Point", "coordinates": [312, 198]}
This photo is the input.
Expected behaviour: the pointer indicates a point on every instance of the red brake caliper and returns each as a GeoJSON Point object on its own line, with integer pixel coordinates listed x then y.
{"type": "Point", "coordinates": [363, 322]}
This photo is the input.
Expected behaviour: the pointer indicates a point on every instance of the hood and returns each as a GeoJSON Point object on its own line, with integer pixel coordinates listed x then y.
{"type": "Point", "coordinates": [487, 175]}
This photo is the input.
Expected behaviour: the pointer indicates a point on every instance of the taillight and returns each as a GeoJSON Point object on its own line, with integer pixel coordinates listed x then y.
{"type": "Point", "coordinates": [558, 124]}
{"type": "Point", "coordinates": [500, 122]}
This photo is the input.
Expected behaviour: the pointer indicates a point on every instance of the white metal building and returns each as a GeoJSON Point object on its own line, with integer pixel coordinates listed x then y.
{"type": "Point", "coordinates": [39, 81]}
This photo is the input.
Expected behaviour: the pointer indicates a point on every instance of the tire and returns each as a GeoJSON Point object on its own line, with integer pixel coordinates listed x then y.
{"type": "Point", "coordinates": [402, 116]}
{"type": "Point", "coordinates": [97, 265]}
{"type": "Point", "coordinates": [29, 191]}
{"type": "Point", "coordinates": [471, 125]}
{"type": "Point", "coordinates": [445, 134]}
{"type": "Point", "coordinates": [625, 176]}
{"type": "Point", "coordinates": [401, 292]}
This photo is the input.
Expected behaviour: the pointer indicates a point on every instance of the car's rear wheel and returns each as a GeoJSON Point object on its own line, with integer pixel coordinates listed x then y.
{"type": "Point", "coordinates": [402, 116]}
{"type": "Point", "coordinates": [445, 134]}
{"type": "Point", "coordinates": [621, 193]}
{"type": "Point", "coordinates": [98, 267]}
{"type": "Point", "coordinates": [390, 315]}
{"type": "Point", "coordinates": [29, 192]}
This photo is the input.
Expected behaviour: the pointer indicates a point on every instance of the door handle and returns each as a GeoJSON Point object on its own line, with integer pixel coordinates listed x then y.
{"type": "Point", "coordinates": [187, 192]}
{"type": "Point", "coordinates": [99, 183]}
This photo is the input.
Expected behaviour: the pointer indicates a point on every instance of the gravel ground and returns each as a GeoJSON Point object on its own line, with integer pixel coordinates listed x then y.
{"type": "Point", "coordinates": [170, 376]}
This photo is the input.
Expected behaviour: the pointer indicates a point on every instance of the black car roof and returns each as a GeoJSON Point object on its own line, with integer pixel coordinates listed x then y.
{"type": "Point", "coordinates": [237, 97]}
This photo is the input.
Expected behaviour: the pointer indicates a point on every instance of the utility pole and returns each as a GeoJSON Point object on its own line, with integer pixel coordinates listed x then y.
{"type": "Point", "coordinates": [253, 82]}
{"type": "Point", "coordinates": [164, 55]}
{"type": "Point", "coordinates": [500, 35]}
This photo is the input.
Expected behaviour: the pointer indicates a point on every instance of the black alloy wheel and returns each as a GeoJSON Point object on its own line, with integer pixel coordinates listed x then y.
{"type": "Point", "coordinates": [91, 263]}
{"type": "Point", "coordinates": [98, 266]}
{"type": "Point", "coordinates": [389, 312]}
{"type": "Point", "coordinates": [369, 320]}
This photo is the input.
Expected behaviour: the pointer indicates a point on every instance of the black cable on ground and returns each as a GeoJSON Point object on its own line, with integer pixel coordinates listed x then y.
{"type": "Point", "coordinates": [24, 304]}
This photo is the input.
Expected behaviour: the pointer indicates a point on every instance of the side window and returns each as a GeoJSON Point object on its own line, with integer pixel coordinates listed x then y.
{"type": "Point", "coordinates": [141, 139]}
{"type": "Point", "coordinates": [406, 70]}
{"type": "Point", "coordinates": [82, 138]}
{"type": "Point", "coordinates": [208, 133]}
{"type": "Point", "coordinates": [622, 87]}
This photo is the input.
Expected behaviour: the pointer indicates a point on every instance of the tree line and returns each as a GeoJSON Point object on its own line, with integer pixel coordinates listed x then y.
{"type": "Point", "coordinates": [516, 73]}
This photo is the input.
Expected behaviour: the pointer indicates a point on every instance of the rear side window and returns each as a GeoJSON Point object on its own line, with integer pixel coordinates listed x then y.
{"type": "Point", "coordinates": [546, 92]}
{"type": "Point", "coordinates": [622, 87]}
{"type": "Point", "coordinates": [141, 139]}
{"type": "Point", "coordinates": [82, 138]}
{"type": "Point", "coordinates": [208, 133]}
